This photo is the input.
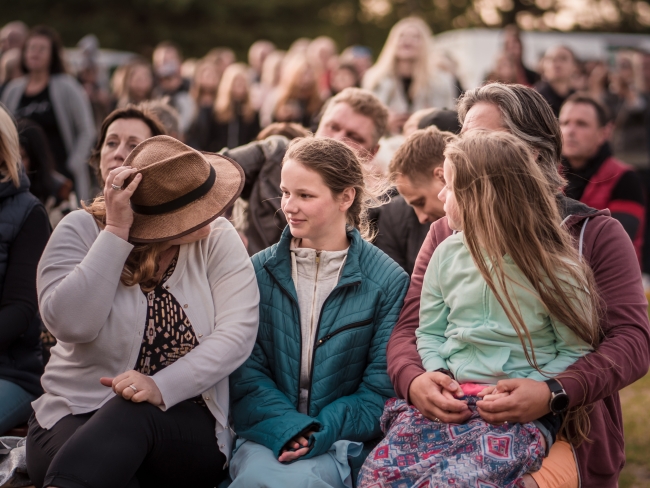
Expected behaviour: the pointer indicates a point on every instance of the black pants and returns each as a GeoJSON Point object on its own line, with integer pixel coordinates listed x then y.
{"type": "Point", "coordinates": [126, 444]}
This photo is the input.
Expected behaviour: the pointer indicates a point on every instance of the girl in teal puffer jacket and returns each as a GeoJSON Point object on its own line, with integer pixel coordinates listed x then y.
{"type": "Point", "coordinates": [310, 396]}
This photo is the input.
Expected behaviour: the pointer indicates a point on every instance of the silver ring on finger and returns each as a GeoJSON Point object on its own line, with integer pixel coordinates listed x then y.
{"type": "Point", "coordinates": [116, 188]}
{"type": "Point", "coordinates": [436, 419]}
{"type": "Point", "coordinates": [135, 390]}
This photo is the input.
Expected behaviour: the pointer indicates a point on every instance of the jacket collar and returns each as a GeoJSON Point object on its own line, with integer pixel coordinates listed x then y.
{"type": "Point", "coordinates": [279, 262]}
{"type": "Point", "coordinates": [578, 179]}
{"type": "Point", "coordinates": [8, 189]}
{"type": "Point", "coordinates": [574, 212]}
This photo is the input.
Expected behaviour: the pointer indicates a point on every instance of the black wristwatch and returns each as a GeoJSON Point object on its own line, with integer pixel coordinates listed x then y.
{"type": "Point", "coordinates": [559, 399]}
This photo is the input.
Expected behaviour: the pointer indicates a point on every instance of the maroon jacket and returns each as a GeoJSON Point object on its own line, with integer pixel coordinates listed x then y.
{"type": "Point", "coordinates": [622, 357]}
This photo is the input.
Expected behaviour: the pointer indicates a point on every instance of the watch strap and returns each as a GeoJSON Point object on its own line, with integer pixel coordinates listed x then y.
{"type": "Point", "coordinates": [558, 395]}
{"type": "Point", "coordinates": [555, 386]}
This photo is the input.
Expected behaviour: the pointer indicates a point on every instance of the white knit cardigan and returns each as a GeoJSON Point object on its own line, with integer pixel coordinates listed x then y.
{"type": "Point", "coordinates": [99, 322]}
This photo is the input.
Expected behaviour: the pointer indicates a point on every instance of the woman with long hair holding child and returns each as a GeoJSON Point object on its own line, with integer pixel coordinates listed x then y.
{"type": "Point", "coordinates": [507, 296]}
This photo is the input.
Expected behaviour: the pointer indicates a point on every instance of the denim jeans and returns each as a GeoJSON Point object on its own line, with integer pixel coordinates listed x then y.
{"type": "Point", "coordinates": [15, 405]}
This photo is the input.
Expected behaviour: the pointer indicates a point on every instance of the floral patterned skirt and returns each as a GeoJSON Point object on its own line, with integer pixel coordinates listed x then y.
{"type": "Point", "coordinates": [417, 452]}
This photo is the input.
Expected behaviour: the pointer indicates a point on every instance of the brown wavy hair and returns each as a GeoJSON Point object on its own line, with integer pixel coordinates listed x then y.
{"type": "Point", "coordinates": [506, 206]}
{"type": "Point", "coordinates": [141, 265]}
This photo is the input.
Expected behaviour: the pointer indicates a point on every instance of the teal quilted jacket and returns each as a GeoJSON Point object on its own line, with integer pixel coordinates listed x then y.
{"type": "Point", "coordinates": [349, 381]}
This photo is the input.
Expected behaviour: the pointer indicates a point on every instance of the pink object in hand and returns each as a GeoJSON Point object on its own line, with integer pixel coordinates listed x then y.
{"type": "Point", "coordinates": [472, 388]}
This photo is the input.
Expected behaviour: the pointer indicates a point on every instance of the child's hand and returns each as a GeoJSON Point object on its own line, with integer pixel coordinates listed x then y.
{"type": "Point", "coordinates": [296, 447]}
{"type": "Point", "coordinates": [452, 390]}
{"type": "Point", "coordinates": [495, 396]}
{"type": "Point", "coordinates": [492, 393]}
{"type": "Point", "coordinates": [488, 390]}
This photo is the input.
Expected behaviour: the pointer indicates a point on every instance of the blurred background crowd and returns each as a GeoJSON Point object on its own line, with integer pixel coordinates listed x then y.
{"type": "Point", "coordinates": [233, 73]}
{"type": "Point", "coordinates": [60, 97]}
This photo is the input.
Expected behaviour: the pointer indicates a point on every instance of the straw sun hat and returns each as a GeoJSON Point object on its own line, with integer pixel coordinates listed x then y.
{"type": "Point", "coordinates": [181, 189]}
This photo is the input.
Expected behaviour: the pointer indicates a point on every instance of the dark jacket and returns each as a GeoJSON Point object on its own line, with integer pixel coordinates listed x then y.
{"type": "Point", "coordinates": [606, 182]}
{"type": "Point", "coordinates": [24, 230]}
{"type": "Point", "coordinates": [349, 382]}
{"type": "Point", "coordinates": [399, 232]}
{"type": "Point", "coordinates": [207, 134]}
{"type": "Point", "coordinates": [623, 355]}
{"type": "Point", "coordinates": [531, 76]}
{"type": "Point", "coordinates": [261, 162]}
{"type": "Point", "coordinates": [554, 99]}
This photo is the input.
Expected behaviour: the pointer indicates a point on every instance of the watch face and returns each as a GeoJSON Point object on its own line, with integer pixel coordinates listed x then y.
{"type": "Point", "coordinates": [560, 403]}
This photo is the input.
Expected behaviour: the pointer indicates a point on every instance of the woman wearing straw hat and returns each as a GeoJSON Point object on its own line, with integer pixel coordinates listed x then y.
{"type": "Point", "coordinates": [149, 292]}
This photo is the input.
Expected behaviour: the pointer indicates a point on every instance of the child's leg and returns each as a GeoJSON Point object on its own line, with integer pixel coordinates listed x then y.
{"type": "Point", "coordinates": [416, 449]}
{"type": "Point", "coordinates": [488, 455]}
{"type": "Point", "coordinates": [559, 469]}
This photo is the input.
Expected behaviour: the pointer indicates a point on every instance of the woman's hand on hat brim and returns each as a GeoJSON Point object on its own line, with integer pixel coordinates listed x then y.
{"type": "Point", "coordinates": [119, 216]}
{"type": "Point", "coordinates": [147, 390]}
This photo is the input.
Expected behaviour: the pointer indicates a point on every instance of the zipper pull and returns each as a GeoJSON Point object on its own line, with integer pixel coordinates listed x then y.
{"type": "Point", "coordinates": [317, 257]}
{"type": "Point", "coordinates": [323, 340]}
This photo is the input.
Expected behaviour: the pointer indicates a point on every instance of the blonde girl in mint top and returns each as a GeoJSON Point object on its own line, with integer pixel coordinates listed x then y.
{"type": "Point", "coordinates": [507, 296]}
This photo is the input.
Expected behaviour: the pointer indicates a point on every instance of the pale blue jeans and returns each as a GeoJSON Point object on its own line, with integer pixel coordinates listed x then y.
{"type": "Point", "coordinates": [253, 465]}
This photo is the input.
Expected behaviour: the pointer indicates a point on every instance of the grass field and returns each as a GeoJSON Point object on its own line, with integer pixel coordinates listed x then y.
{"type": "Point", "coordinates": [636, 419]}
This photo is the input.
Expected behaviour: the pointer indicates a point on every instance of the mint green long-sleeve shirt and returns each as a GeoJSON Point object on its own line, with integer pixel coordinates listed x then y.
{"type": "Point", "coordinates": [463, 327]}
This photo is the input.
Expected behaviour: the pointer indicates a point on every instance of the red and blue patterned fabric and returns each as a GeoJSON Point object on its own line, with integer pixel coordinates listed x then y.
{"type": "Point", "coordinates": [417, 452]}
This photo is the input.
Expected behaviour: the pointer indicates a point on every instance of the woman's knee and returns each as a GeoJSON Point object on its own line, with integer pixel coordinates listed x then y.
{"type": "Point", "coordinates": [119, 413]}
{"type": "Point", "coordinates": [43, 444]}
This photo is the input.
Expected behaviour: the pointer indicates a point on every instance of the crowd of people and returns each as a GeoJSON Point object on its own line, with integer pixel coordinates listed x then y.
{"type": "Point", "coordinates": [321, 269]}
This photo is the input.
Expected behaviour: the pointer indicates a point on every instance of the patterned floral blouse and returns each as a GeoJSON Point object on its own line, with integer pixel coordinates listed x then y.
{"type": "Point", "coordinates": [168, 333]}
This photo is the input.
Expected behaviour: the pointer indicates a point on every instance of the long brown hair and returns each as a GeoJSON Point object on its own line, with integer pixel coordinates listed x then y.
{"type": "Point", "coordinates": [141, 265]}
{"type": "Point", "coordinates": [340, 168]}
{"type": "Point", "coordinates": [507, 207]}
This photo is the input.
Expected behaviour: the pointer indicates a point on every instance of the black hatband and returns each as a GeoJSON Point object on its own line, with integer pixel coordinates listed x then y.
{"type": "Point", "coordinates": [179, 202]}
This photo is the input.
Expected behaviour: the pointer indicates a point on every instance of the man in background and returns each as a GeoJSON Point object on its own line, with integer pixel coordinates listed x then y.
{"type": "Point", "coordinates": [416, 171]}
{"type": "Point", "coordinates": [594, 176]}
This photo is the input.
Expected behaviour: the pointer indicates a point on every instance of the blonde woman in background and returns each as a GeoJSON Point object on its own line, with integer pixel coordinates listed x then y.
{"type": "Point", "coordinates": [24, 231]}
{"type": "Point", "coordinates": [204, 93]}
{"type": "Point", "coordinates": [205, 84]}
{"type": "Point", "coordinates": [404, 77]}
{"type": "Point", "coordinates": [298, 99]}
{"type": "Point", "coordinates": [233, 122]}
{"type": "Point", "coordinates": [137, 84]}
{"type": "Point", "coordinates": [264, 93]}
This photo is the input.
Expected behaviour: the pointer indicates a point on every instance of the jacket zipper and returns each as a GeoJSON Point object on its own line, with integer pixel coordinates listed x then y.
{"type": "Point", "coordinates": [286, 292]}
{"type": "Point", "coordinates": [313, 352]}
{"type": "Point", "coordinates": [342, 329]}
{"type": "Point", "coordinates": [313, 302]}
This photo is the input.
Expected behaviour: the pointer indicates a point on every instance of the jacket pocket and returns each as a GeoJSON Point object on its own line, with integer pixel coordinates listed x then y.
{"type": "Point", "coordinates": [345, 328]}
{"type": "Point", "coordinates": [606, 446]}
